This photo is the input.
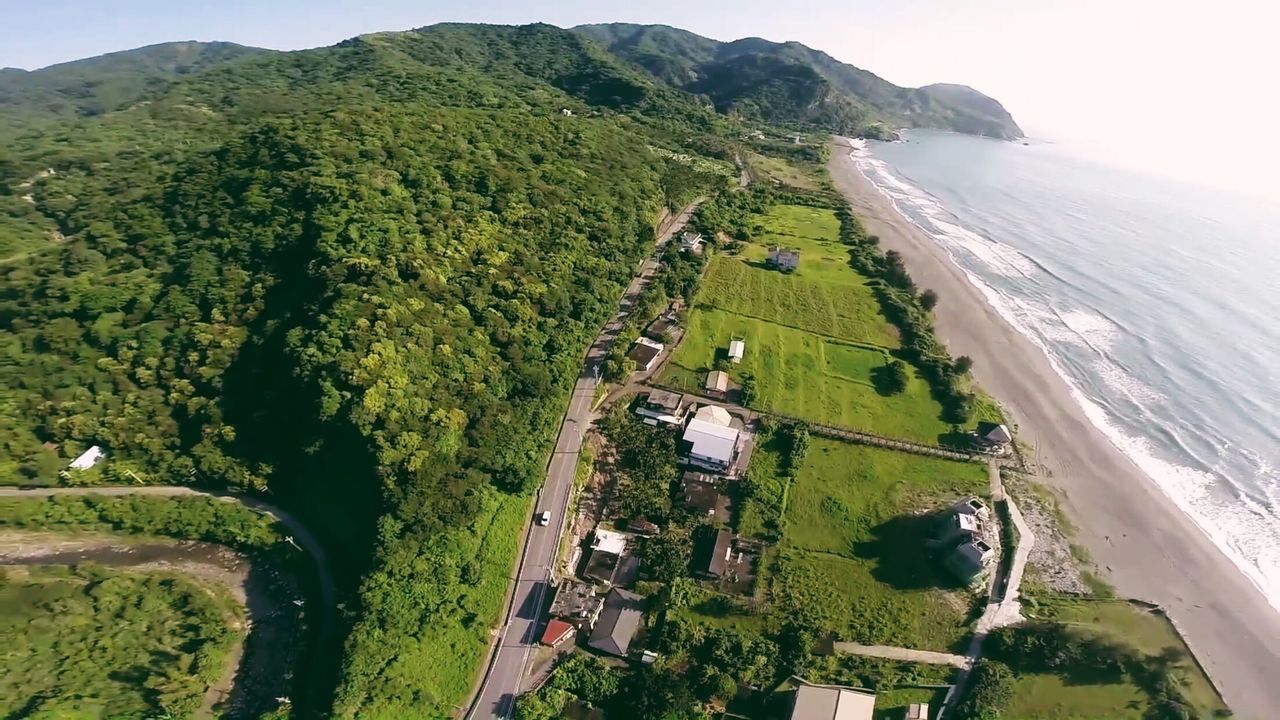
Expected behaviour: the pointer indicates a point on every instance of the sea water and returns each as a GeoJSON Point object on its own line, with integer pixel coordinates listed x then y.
{"type": "Point", "coordinates": [1157, 301]}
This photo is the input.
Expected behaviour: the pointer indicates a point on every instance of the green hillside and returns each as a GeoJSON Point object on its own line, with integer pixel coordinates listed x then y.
{"type": "Point", "coordinates": [792, 83]}
{"type": "Point", "coordinates": [342, 276]}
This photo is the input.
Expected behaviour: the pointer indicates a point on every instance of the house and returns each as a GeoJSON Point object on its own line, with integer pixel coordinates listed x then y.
{"type": "Point", "coordinates": [736, 349]}
{"type": "Point", "coordinates": [992, 435]}
{"type": "Point", "coordinates": [713, 554]}
{"type": "Point", "coordinates": [645, 353]}
{"type": "Point", "coordinates": [702, 496]}
{"type": "Point", "coordinates": [664, 407]}
{"type": "Point", "coordinates": [89, 458]}
{"type": "Point", "coordinates": [971, 506]}
{"type": "Point", "coordinates": [663, 326]}
{"type": "Point", "coordinates": [832, 702]}
{"type": "Point", "coordinates": [711, 439]}
{"type": "Point", "coordinates": [970, 560]}
{"type": "Point", "coordinates": [607, 548]}
{"type": "Point", "coordinates": [960, 527]}
{"type": "Point", "coordinates": [691, 243]}
{"type": "Point", "coordinates": [717, 383]}
{"type": "Point", "coordinates": [557, 632]}
{"type": "Point", "coordinates": [917, 711]}
{"type": "Point", "coordinates": [577, 603]}
{"type": "Point", "coordinates": [784, 259]}
{"type": "Point", "coordinates": [618, 623]}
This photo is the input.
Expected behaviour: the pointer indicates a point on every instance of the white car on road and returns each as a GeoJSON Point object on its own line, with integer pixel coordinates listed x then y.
{"type": "Point", "coordinates": [544, 517]}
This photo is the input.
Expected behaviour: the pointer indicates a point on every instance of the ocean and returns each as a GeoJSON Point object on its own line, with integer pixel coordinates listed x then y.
{"type": "Point", "coordinates": [1157, 301]}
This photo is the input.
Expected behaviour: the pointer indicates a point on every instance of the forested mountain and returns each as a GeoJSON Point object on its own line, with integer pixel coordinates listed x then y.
{"type": "Point", "coordinates": [358, 277]}
{"type": "Point", "coordinates": [792, 83]}
{"type": "Point", "coordinates": [109, 82]}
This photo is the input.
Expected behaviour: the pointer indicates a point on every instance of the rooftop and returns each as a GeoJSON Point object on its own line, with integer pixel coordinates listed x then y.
{"type": "Point", "coordinates": [830, 702]}
{"type": "Point", "coordinates": [618, 623]}
{"type": "Point", "coordinates": [609, 541]}
{"type": "Point", "coordinates": [701, 494]}
{"type": "Point", "coordinates": [665, 400]}
{"type": "Point", "coordinates": [994, 433]}
{"type": "Point", "coordinates": [711, 440]}
{"type": "Point", "coordinates": [713, 553]}
{"type": "Point", "coordinates": [557, 632]}
{"type": "Point", "coordinates": [717, 380]}
{"type": "Point", "coordinates": [575, 601]}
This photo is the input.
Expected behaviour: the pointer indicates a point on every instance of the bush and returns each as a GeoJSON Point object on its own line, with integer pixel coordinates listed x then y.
{"type": "Point", "coordinates": [990, 689]}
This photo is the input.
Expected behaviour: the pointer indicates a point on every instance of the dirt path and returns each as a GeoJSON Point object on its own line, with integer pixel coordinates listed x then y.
{"type": "Point", "coordinates": [903, 654]}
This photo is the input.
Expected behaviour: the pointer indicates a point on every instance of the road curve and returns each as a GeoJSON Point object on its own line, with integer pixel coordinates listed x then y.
{"type": "Point", "coordinates": [308, 542]}
{"type": "Point", "coordinates": [509, 658]}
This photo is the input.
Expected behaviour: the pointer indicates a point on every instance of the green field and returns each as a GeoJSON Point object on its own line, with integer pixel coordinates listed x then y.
{"type": "Point", "coordinates": [852, 548]}
{"type": "Point", "coordinates": [1048, 696]}
{"type": "Point", "coordinates": [815, 339]}
{"type": "Point", "coordinates": [98, 643]}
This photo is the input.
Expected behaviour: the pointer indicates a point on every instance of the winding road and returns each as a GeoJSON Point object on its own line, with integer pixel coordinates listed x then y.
{"type": "Point", "coordinates": [517, 637]}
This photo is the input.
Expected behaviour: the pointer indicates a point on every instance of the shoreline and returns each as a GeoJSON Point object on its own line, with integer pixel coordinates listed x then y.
{"type": "Point", "coordinates": [1141, 541]}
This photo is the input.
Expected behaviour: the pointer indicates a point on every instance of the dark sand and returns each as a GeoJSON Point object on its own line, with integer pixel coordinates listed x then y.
{"type": "Point", "coordinates": [1141, 541]}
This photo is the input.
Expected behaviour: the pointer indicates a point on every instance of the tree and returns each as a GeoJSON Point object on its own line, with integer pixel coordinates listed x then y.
{"type": "Point", "coordinates": [963, 365]}
{"type": "Point", "coordinates": [665, 557]}
{"type": "Point", "coordinates": [928, 299]}
{"type": "Point", "coordinates": [747, 389]}
{"type": "Point", "coordinates": [895, 377]}
{"type": "Point", "coordinates": [990, 690]}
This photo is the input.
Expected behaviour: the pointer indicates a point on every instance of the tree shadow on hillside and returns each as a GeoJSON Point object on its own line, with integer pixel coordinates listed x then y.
{"type": "Point", "coordinates": [902, 559]}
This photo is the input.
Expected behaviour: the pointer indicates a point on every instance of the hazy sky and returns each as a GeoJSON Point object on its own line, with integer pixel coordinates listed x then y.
{"type": "Point", "coordinates": [1172, 86]}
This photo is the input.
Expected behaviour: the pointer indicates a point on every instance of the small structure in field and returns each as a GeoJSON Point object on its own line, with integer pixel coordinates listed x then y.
{"type": "Point", "coordinates": [992, 437]}
{"type": "Point", "coordinates": [784, 259]}
{"type": "Point", "coordinates": [619, 622]}
{"type": "Point", "coordinates": [89, 458]}
{"type": "Point", "coordinates": [712, 440]}
{"type": "Point", "coordinates": [645, 353]}
{"type": "Point", "coordinates": [737, 348]}
{"type": "Point", "coordinates": [917, 711]}
{"type": "Point", "coordinates": [557, 631]}
{"type": "Point", "coordinates": [832, 702]}
{"type": "Point", "coordinates": [662, 406]}
{"type": "Point", "coordinates": [972, 506]}
{"type": "Point", "coordinates": [640, 526]}
{"type": "Point", "coordinates": [717, 384]}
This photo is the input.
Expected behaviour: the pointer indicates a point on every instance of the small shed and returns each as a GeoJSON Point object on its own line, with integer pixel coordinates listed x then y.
{"type": "Point", "coordinates": [917, 711]}
{"type": "Point", "coordinates": [557, 632]}
{"type": "Point", "coordinates": [737, 347]}
{"type": "Point", "coordinates": [993, 434]}
{"type": "Point", "coordinates": [717, 383]}
{"type": "Point", "coordinates": [784, 259]}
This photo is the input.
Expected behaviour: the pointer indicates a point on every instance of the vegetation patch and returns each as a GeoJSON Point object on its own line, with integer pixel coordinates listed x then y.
{"type": "Point", "coordinates": [95, 643]}
{"type": "Point", "coordinates": [853, 555]}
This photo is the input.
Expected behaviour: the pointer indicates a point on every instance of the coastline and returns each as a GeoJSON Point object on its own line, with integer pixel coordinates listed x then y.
{"type": "Point", "coordinates": [1141, 541]}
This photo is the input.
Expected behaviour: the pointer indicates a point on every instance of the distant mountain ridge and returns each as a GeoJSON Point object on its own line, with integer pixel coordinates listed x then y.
{"type": "Point", "coordinates": [793, 83]}
{"type": "Point", "coordinates": [97, 85]}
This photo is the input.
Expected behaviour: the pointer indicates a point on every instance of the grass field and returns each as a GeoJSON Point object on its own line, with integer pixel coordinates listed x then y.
{"type": "Point", "coordinates": [816, 341]}
{"type": "Point", "coordinates": [852, 546]}
{"type": "Point", "coordinates": [1046, 696]}
{"type": "Point", "coordinates": [99, 643]}
{"type": "Point", "coordinates": [796, 175]}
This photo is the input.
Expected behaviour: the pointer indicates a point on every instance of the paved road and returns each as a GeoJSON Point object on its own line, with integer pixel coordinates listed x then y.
{"type": "Point", "coordinates": [508, 665]}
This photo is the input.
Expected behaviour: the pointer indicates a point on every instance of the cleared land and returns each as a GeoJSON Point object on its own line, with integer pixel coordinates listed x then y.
{"type": "Point", "coordinates": [96, 643]}
{"type": "Point", "coordinates": [816, 341]}
{"type": "Point", "coordinates": [1040, 695]}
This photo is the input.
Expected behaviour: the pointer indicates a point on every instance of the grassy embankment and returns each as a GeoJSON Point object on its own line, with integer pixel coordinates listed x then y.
{"type": "Point", "coordinates": [815, 339]}
{"type": "Point", "coordinates": [92, 642]}
{"type": "Point", "coordinates": [1046, 696]}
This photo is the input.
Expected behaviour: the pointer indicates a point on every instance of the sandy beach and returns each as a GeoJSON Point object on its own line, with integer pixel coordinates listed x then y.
{"type": "Point", "coordinates": [1142, 543]}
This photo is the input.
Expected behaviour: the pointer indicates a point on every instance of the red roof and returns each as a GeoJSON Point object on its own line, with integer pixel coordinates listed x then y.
{"type": "Point", "coordinates": [557, 632]}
